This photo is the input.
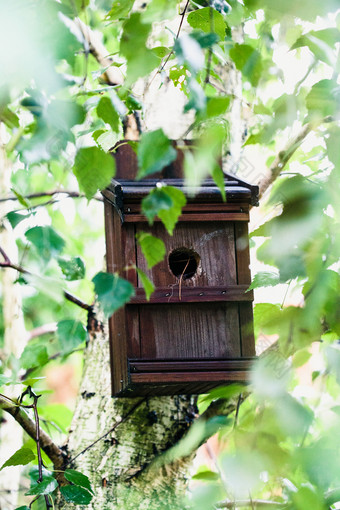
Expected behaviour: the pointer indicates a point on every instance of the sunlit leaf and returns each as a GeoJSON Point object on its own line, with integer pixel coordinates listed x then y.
{"type": "Point", "coordinates": [21, 457]}
{"type": "Point", "coordinates": [208, 20]}
{"type": "Point", "coordinates": [264, 279]}
{"type": "Point", "coordinates": [47, 486]}
{"type": "Point", "coordinates": [153, 248]}
{"type": "Point", "coordinates": [34, 355]}
{"type": "Point", "coordinates": [247, 60]}
{"type": "Point", "coordinates": [146, 282]}
{"type": "Point", "coordinates": [107, 112]}
{"type": "Point", "coordinates": [323, 99]}
{"type": "Point", "coordinates": [166, 202]}
{"type": "Point", "coordinates": [94, 170]}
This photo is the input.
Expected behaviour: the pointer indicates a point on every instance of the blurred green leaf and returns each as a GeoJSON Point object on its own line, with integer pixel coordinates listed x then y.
{"type": "Point", "coordinates": [72, 268]}
{"type": "Point", "coordinates": [321, 43]}
{"type": "Point", "coordinates": [120, 9]}
{"type": "Point", "coordinates": [166, 202]}
{"type": "Point", "coordinates": [264, 279]}
{"type": "Point", "coordinates": [140, 60]}
{"type": "Point", "coordinates": [323, 99]}
{"type": "Point", "coordinates": [153, 248]}
{"type": "Point", "coordinates": [15, 217]}
{"type": "Point", "coordinates": [154, 153]}
{"type": "Point", "coordinates": [247, 60]}
{"type": "Point", "coordinates": [34, 355]}
{"type": "Point", "coordinates": [46, 240]}
{"type": "Point", "coordinates": [70, 334]}
{"type": "Point", "coordinates": [112, 292]}
{"type": "Point", "coordinates": [206, 476]}
{"type": "Point", "coordinates": [94, 170]}
{"type": "Point", "coordinates": [21, 457]}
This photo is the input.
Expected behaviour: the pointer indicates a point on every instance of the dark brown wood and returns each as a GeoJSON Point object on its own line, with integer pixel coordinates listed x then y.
{"type": "Point", "coordinates": [117, 323]}
{"type": "Point", "coordinates": [174, 295]}
{"type": "Point", "coordinates": [215, 244]}
{"type": "Point", "coordinates": [244, 277]}
{"type": "Point", "coordinates": [182, 331]}
{"type": "Point", "coordinates": [176, 377]}
{"type": "Point", "coordinates": [232, 216]}
{"type": "Point", "coordinates": [135, 207]}
{"type": "Point", "coordinates": [189, 365]}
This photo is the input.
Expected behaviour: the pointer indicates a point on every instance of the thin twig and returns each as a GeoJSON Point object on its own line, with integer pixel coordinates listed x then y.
{"type": "Point", "coordinates": [70, 297]}
{"type": "Point", "coordinates": [255, 503]}
{"type": "Point", "coordinates": [31, 196]}
{"type": "Point", "coordinates": [128, 414]}
{"type": "Point", "coordinates": [284, 156]}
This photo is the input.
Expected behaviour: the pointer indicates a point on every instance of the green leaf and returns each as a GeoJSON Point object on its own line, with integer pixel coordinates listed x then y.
{"type": "Point", "coordinates": [22, 508]}
{"type": "Point", "coordinates": [120, 9]}
{"type": "Point", "coordinates": [206, 476]}
{"type": "Point", "coordinates": [140, 60]}
{"type": "Point", "coordinates": [321, 43]}
{"type": "Point", "coordinates": [217, 106]}
{"type": "Point", "coordinates": [9, 118]}
{"type": "Point", "coordinates": [70, 333]}
{"type": "Point", "coordinates": [323, 99]}
{"type": "Point", "coordinates": [112, 292]}
{"type": "Point", "coordinates": [76, 494]}
{"type": "Point", "coordinates": [47, 486]}
{"type": "Point", "coordinates": [204, 40]}
{"type": "Point", "coordinates": [300, 358]}
{"type": "Point", "coordinates": [21, 457]}
{"type": "Point", "coordinates": [208, 20]}
{"type": "Point", "coordinates": [72, 268]}
{"type": "Point", "coordinates": [264, 279]}
{"type": "Point", "coordinates": [153, 248]}
{"type": "Point", "coordinates": [146, 282]}
{"type": "Point", "coordinates": [4, 380]}
{"type": "Point", "coordinates": [78, 478]}
{"type": "Point", "coordinates": [34, 355]}
{"type": "Point", "coordinates": [166, 202]}
{"type": "Point", "coordinates": [154, 153]}
{"type": "Point", "coordinates": [94, 170]}
{"type": "Point", "coordinates": [46, 240]}
{"type": "Point", "coordinates": [218, 176]}
{"type": "Point", "coordinates": [248, 61]}
{"type": "Point", "coordinates": [15, 217]}
{"type": "Point", "coordinates": [107, 112]}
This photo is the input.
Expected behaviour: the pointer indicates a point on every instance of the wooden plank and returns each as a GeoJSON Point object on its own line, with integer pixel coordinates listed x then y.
{"type": "Point", "coordinates": [117, 323]}
{"type": "Point", "coordinates": [194, 295]}
{"type": "Point", "coordinates": [183, 331]}
{"type": "Point", "coordinates": [135, 208]}
{"type": "Point", "coordinates": [177, 377]}
{"type": "Point", "coordinates": [229, 216]}
{"type": "Point", "coordinates": [189, 366]}
{"type": "Point", "coordinates": [215, 245]}
{"type": "Point", "coordinates": [244, 277]}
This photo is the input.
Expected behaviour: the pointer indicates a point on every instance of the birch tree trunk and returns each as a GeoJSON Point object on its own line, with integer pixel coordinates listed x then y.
{"type": "Point", "coordinates": [14, 336]}
{"type": "Point", "coordinates": [114, 440]}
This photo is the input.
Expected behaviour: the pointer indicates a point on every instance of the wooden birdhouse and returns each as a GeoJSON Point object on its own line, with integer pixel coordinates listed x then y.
{"type": "Point", "coordinates": [196, 331]}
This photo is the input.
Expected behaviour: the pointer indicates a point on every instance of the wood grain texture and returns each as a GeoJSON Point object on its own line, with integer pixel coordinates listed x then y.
{"type": "Point", "coordinates": [174, 295]}
{"type": "Point", "coordinates": [117, 323]}
{"type": "Point", "coordinates": [214, 216]}
{"type": "Point", "coordinates": [244, 277]}
{"type": "Point", "coordinates": [176, 377]}
{"type": "Point", "coordinates": [189, 365]}
{"type": "Point", "coordinates": [200, 330]}
{"type": "Point", "coordinates": [215, 244]}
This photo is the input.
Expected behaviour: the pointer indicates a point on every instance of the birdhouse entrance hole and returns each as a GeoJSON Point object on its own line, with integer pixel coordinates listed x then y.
{"type": "Point", "coordinates": [183, 262]}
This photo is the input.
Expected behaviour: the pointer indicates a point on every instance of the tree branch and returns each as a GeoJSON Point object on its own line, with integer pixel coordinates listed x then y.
{"type": "Point", "coordinates": [111, 74]}
{"type": "Point", "coordinates": [67, 295]}
{"type": "Point", "coordinates": [54, 453]}
{"type": "Point", "coordinates": [70, 194]}
{"type": "Point", "coordinates": [284, 156]}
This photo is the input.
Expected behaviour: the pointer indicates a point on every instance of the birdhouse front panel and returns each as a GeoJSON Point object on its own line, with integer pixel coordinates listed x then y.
{"type": "Point", "coordinates": [196, 331]}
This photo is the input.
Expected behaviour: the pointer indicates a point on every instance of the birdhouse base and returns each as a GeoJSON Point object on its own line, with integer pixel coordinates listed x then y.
{"type": "Point", "coordinates": [183, 377]}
